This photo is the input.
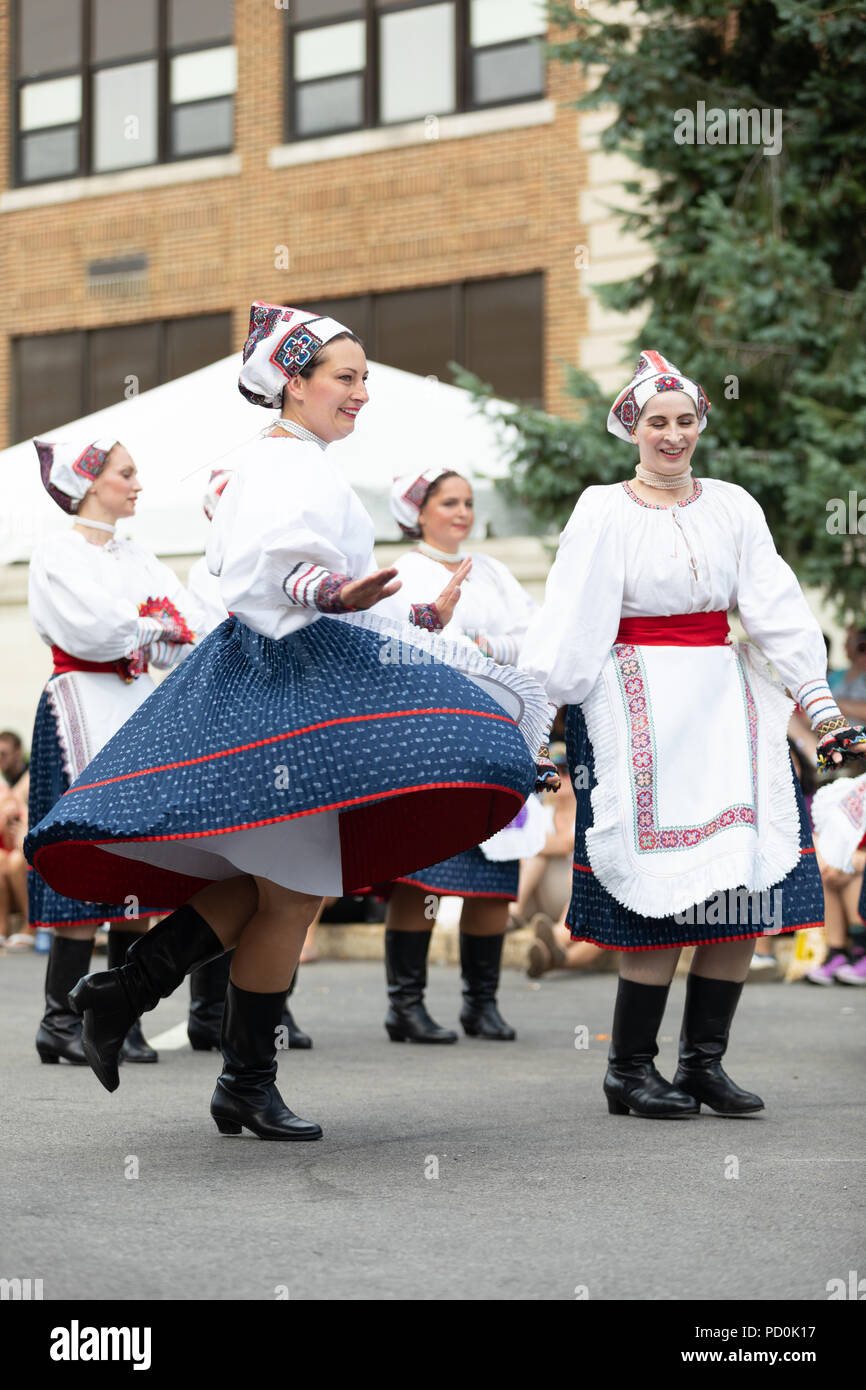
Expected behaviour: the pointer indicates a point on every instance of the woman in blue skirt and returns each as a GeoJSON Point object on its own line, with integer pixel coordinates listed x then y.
{"type": "Point", "coordinates": [108, 609]}
{"type": "Point", "coordinates": [298, 752]}
{"type": "Point", "coordinates": [691, 829]}
{"type": "Point", "coordinates": [435, 510]}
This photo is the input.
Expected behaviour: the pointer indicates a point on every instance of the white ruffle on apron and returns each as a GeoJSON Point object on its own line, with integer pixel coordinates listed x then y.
{"type": "Point", "coordinates": [839, 818]}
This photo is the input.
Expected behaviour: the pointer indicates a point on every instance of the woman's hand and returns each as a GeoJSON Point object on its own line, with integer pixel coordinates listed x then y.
{"type": "Point", "coordinates": [450, 595]}
{"type": "Point", "coordinates": [366, 592]}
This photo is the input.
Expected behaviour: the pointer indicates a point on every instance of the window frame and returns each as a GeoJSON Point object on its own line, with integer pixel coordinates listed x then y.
{"type": "Point", "coordinates": [86, 71]}
{"type": "Point", "coordinates": [371, 12]}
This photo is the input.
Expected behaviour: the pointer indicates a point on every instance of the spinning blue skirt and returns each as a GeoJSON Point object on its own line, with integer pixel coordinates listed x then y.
{"type": "Point", "coordinates": [469, 875]}
{"type": "Point", "coordinates": [353, 751]}
{"type": "Point", "coordinates": [595, 915]}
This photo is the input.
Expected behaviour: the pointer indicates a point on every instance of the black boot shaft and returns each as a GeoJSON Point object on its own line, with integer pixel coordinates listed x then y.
{"type": "Point", "coordinates": [207, 997]}
{"type": "Point", "coordinates": [406, 971]}
{"type": "Point", "coordinates": [246, 1094]}
{"type": "Point", "coordinates": [480, 965]}
{"type": "Point", "coordinates": [709, 1011]}
{"type": "Point", "coordinates": [59, 1034]}
{"type": "Point", "coordinates": [632, 1082]}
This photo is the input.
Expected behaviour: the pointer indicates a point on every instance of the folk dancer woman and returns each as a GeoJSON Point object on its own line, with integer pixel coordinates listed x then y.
{"type": "Point", "coordinates": [693, 831]}
{"type": "Point", "coordinates": [285, 760]}
{"type": "Point", "coordinates": [436, 510]}
{"type": "Point", "coordinates": [108, 609]}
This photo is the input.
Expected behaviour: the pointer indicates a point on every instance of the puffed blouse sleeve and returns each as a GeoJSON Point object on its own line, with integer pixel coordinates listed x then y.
{"type": "Point", "coordinates": [73, 610]}
{"type": "Point", "coordinates": [570, 638]}
{"type": "Point", "coordinates": [772, 605]}
{"type": "Point", "coordinates": [279, 536]}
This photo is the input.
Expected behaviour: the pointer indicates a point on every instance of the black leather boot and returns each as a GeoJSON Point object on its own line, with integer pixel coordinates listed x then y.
{"type": "Point", "coordinates": [480, 960]}
{"type": "Point", "coordinates": [111, 1001]}
{"type": "Point", "coordinates": [59, 1033]}
{"type": "Point", "coordinates": [710, 1006]}
{"type": "Point", "coordinates": [632, 1082]}
{"type": "Point", "coordinates": [135, 1048]}
{"type": "Point", "coordinates": [407, 1019]}
{"type": "Point", "coordinates": [297, 1038]}
{"type": "Point", "coordinates": [246, 1095]}
{"type": "Point", "coordinates": [207, 997]}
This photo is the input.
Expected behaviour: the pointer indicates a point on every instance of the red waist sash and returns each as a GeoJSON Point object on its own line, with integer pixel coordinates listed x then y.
{"type": "Point", "coordinates": [679, 630]}
{"type": "Point", "coordinates": [65, 662]}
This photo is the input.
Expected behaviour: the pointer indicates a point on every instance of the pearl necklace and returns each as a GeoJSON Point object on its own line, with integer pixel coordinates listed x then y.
{"type": "Point", "coordinates": [443, 556]}
{"type": "Point", "coordinates": [662, 480]}
{"type": "Point", "coordinates": [299, 431]}
{"type": "Point", "coordinates": [95, 525]}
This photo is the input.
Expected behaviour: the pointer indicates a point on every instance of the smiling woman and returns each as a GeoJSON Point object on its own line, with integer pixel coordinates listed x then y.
{"type": "Point", "coordinates": [292, 757]}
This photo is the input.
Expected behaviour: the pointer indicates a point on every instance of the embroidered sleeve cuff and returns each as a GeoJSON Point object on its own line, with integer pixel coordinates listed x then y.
{"type": "Point", "coordinates": [502, 649]}
{"type": "Point", "coordinates": [147, 630]}
{"type": "Point", "coordinates": [166, 655]}
{"type": "Point", "coordinates": [425, 615]}
{"type": "Point", "coordinates": [312, 586]}
{"type": "Point", "coordinates": [819, 707]}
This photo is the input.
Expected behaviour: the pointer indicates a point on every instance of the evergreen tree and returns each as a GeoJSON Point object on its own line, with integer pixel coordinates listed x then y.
{"type": "Point", "coordinates": [758, 283]}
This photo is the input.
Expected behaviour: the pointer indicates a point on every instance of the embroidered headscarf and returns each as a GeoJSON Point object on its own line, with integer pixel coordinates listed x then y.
{"type": "Point", "coordinates": [652, 374]}
{"type": "Point", "coordinates": [70, 470]}
{"type": "Point", "coordinates": [216, 487]}
{"type": "Point", "coordinates": [407, 498]}
{"type": "Point", "coordinates": [281, 342]}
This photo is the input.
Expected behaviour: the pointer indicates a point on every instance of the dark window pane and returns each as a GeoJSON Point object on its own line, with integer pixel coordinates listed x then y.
{"type": "Point", "coordinates": [196, 342]}
{"type": "Point", "coordinates": [50, 154]}
{"type": "Point", "coordinates": [49, 36]}
{"type": "Point", "coordinates": [123, 28]}
{"type": "Point", "coordinates": [355, 312]}
{"type": "Point", "coordinates": [199, 21]}
{"type": "Point", "coordinates": [337, 104]}
{"type": "Point", "coordinates": [48, 382]}
{"type": "Point", "coordinates": [131, 350]}
{"type": "Point", "coordinates": [504, 335]}
{"type": "Point", "coordinates": [205, 126]}
{"type": "Point", "coordinates": [506, 74]}
{"type": "Point", "coordinates": [416, 331]}
{"type": "Point", "coordinates": [325, 9]}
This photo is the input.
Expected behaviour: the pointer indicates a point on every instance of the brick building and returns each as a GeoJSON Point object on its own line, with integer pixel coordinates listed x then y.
{"type": "Point", "coordinates": [412, 167]}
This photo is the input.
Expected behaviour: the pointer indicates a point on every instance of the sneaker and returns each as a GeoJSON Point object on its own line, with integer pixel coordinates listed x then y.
{"type": "Point", "coordinates": [826, 974]}
{"type": "Point", "coordinates": [763, 962]}
{"type": "Point", "coordinates": [853, 974]}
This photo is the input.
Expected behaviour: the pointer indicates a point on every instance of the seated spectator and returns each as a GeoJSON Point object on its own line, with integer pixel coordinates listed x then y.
{"type": "Point", "coordinates": [545, 879]}
{"type": "Point", "coordinates": [13, 763]}
{"type": "Point", "coordinates": [13, 865]}
{"type": "Point", "coordinates": [840, 847]}
{"type": "Point", "coordinates": [851, 689]}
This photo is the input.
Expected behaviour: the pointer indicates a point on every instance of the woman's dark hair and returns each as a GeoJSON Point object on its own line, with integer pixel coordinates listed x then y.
{"type": "Point", "coordinates": [436, 484]}
{"type": "Point", "coordinates": [314, 362]}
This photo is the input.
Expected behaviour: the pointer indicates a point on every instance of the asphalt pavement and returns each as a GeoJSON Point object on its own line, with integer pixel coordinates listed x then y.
{"type": "Point", "coordinates": [481, 1171]}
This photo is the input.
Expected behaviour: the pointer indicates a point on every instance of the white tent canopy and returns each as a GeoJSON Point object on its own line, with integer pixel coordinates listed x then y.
{"type": "Point", "coordinates": [177, 432]}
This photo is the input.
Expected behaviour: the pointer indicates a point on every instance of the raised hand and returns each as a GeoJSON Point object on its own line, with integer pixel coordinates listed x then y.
{"type": "Point", "coordinates": [450, 595]}
{"type": "Point", "coordinates": [366, 592]}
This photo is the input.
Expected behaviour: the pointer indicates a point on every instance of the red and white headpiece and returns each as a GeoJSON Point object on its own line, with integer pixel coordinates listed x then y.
{"type": "Point", "coordinates": [652, 374]}
{"type": "Point", "coordinates": [280, 344]}
{"type": "Point", "coordinates": [407, 499]}
{"type": "Point", "coordinates": [69, 470]}
{"type": "Point", "coordinates": [216, 486]}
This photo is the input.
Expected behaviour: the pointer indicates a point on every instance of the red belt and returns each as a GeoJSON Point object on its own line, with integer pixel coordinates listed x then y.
{"type": "Point", "coordinates": [64, 662]}
{"type": "Point", "coordinates": [679, 630]}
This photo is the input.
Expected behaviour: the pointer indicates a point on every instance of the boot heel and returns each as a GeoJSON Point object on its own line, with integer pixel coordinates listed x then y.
{"type": "Point", "coordinates": [394, 1033]}
{"type": "Point", "coordinates": [46, 1056]}
{"type": "Point", "coordinates": [469, 1029]}
{"type": "Point", "coordinates": [616, 1107]}
{"type": "Point", "coordinates": [227, 1126]}
{"type": "Point", "coordinates": [203, 1046]}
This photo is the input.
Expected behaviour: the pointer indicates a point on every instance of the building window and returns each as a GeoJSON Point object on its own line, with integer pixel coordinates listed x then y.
{"type": "Point", "coordinates": [90, 370]}
{"type": "Point", "coordinates": [492, 327]}
{"type": "Point", "coordinates": [353, 64]}
{"type": "Point", "coordinates": [103, 85]}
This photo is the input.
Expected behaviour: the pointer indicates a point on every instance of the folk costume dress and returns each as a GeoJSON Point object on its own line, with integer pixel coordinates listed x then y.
{"type": "Point", "coordinates": [290, 744]}
{"type": "Point", "coordinates": [495, 609]}
{"type": "Point", "coordinates": [839, 817]}
{"type": "Point", "coordinates": [677, 736]}
{"type": "Point", "coordinates": [107, 612]}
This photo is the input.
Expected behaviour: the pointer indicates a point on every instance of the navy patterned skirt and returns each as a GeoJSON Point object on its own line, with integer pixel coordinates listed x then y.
{"type": "Point", "coordinates": [469, 875]}
{"type": "Point", "coordinates": [594, 915]}
{"type": "Point", "coordinates": [48, 781]}
{"type": "Point", "coordinates": [409, 761]}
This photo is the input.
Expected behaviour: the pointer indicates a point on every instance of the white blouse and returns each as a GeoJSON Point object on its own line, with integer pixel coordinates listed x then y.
{"type": "Point", "coordinates": [85, 598]}
{"type": "Point", "coordinates": [286, 505]}
{"type": "Point", "coordinates": [205, 589]}
{"type": "Point", "coordinates": [621, 557]}
{"type": "Point", "coordinates": [492, 603]}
